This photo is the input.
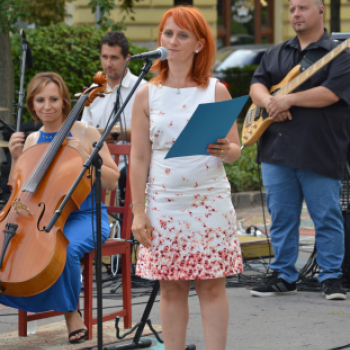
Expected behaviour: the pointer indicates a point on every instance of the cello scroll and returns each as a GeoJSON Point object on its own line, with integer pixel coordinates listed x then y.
{"type": "Point", "coordinates": [96, 91]}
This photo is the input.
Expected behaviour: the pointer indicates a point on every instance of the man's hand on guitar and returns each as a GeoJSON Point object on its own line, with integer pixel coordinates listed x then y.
{"type": "Point", "coordinates": [278, 108]}
{"type": "Point", "coordinates": [282, 117]}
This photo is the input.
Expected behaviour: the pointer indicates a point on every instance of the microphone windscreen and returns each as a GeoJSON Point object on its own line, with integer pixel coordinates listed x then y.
{"type": "Point", "coordinates": [29, 58]}
{"type": "Point", "coordinates": [164, 53]}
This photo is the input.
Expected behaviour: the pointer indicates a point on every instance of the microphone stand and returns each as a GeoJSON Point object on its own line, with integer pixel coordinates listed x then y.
{"type": "Point", "coordinates": [96, 160]}
{"type": "Point", "coordinates": [122, 131]}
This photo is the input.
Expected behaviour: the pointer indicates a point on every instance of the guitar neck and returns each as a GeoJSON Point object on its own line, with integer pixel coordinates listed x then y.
{"type": "Point", "coordinates": [308, 73]}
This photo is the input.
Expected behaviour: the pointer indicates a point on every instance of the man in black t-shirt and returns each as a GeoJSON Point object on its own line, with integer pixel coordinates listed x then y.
{"type": "Point", "coordinates": [303, 153]}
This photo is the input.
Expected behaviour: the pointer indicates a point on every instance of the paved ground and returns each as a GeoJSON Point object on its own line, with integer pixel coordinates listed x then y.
{"type": "Point", "coordinates": [302, 321]}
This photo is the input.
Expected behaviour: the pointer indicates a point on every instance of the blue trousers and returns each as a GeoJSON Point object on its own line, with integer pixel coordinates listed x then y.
{"type": "Point", "coordinates": [286, 188]}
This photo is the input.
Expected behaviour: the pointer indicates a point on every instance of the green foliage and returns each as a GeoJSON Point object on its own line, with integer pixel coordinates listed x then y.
{"type": "Point", "coordinates": [39, 12]}
{"type": "Point", "coordinates": [108, 5]}
{"type": "Point", "coordinates": [10, 11]}
{"type": "Point", "coordinates": [243, 174]}
{"type": "Point", "coordinates": [239, 80]}
{"type": "Point", "coordinates": [72, 52]}
{"type": "Point", "coordinates": [105, 7]}
{"type": "Point", "coordinates": [43, 12]}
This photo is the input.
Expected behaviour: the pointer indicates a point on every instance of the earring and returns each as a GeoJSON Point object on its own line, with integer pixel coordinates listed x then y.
{"type": "Point", "coordinates": [196, 52]}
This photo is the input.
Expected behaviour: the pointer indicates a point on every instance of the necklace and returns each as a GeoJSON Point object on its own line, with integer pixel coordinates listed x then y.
{"type": "Point", "coordinates": [178, 92]}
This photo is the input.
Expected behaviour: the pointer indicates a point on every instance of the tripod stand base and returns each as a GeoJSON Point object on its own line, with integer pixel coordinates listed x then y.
{"type": "Point", "coordinates": [144, 343]}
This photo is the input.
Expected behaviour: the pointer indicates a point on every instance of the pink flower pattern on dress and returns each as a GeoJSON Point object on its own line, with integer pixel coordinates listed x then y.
{"type": "Point", "coordinates": [192, 248]}
{"type": "Point", "coordinates": [188, 200]}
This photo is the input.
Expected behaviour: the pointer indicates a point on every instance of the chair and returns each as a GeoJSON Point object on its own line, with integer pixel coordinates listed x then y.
{"type": "Point", "coordinates": [110, 247]}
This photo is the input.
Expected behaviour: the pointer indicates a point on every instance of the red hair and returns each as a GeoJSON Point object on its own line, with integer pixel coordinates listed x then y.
{"type": "Point", "coordinates": [191, 19]}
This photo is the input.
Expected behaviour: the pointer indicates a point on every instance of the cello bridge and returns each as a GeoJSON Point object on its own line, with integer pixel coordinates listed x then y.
{"type": "Point", "coordinates": [17, 206]}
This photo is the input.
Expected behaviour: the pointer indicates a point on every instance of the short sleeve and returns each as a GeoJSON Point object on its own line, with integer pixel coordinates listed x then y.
{"type": "Point", "coordinates": [261, 74]}
{"type": "Point", "coordinates": [339, 77]}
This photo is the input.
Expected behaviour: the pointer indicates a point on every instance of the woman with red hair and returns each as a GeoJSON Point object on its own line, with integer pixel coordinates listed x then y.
{"type": "Point", "coordinates": [188, 229]}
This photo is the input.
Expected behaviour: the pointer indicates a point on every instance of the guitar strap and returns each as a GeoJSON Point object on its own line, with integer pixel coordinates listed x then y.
{"type": "Point", "coordinates": [312, 56]}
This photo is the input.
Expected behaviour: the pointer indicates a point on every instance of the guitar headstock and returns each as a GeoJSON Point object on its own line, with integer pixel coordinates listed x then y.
{"type": "Point", "coordinates": [96, 91]}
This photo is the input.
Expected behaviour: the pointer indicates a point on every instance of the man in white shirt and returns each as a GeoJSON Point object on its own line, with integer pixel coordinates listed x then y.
{"type": "Point", "coordinates": [114, 54]}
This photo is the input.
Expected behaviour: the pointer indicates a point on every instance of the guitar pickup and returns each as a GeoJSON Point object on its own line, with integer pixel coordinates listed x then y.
{"type": "Point", "coordinates": [257, 113]}
{"type": "Point", "coordinates": [264, 114]}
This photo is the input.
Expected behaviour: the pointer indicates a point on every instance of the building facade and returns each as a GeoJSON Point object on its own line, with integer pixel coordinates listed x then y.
{"type": "Point", "coordinates": [231, 21]}
{"type": "Point", "coordinates": [147, 15]}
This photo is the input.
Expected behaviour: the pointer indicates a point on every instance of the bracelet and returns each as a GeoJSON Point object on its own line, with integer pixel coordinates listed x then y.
{"type": "Point", "coordinates": [227, 155]}
{"type": "Point", "coordinates": [132, 204]}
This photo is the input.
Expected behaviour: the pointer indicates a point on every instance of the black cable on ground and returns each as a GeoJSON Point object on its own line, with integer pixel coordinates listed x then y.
{"type": "Point", "coordinates": [341, 347]}
{"type": "Point", "coordinates": [263, 209]}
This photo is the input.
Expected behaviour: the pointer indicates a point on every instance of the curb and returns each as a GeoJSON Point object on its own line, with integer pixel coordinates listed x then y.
{"type": "Point", "coordinates": [244, 200]}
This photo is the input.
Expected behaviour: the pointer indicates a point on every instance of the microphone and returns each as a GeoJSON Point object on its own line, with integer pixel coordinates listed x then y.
{"type": "Point", "coordinates": [29, 57]}
{"type": "Point", "coordinates": [160, 54]}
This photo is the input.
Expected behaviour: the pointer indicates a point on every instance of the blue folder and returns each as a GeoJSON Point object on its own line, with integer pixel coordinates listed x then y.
{"type": "Point", "coordinates": [209, 122]}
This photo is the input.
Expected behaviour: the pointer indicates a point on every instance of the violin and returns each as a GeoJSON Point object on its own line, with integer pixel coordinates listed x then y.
{"type": "Point", "coordinates": [31, 259]}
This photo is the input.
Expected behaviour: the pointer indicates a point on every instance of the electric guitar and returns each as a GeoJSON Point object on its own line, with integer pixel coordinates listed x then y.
{"type": "Point", "coordinates": [257, 119]}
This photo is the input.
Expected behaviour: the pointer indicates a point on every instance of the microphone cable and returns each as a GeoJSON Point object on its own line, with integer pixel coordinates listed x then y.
{"type": "Point", "coordinates": [116, 108]}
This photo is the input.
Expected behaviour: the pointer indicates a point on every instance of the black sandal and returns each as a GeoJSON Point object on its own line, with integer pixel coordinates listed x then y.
{"type": "Point", "coordinates": [82, 330]}
{"type": "Point", "coordinates": [78, 340]}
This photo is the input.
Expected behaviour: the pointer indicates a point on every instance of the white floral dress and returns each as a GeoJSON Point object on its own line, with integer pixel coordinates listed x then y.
{"type": "Point", "coordinates": [188, 199]}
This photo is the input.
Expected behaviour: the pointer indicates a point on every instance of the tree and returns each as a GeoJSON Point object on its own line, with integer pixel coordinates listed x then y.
{"type": "Point", "coordinates": [7, 81]}
{"type": "Point", "coordinates": [10, 10]}
{"type": "Point", "coordinates": [105, 6]}
{"type": "Point", "coordinates": [42, 13]}
{"type": "Point", "coordinates": [74, 53]}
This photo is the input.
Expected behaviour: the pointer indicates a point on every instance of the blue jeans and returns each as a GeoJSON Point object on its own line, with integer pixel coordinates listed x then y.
{"type": "Point", "coordinates": [286, 188]}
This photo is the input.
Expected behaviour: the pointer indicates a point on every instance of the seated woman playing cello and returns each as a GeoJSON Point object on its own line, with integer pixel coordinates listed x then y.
{"type": "Point", "coordinates": [48, 100]}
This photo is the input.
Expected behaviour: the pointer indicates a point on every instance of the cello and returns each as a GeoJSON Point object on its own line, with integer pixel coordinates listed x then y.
{"type": "Point", "coordinates": [31, 259]}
